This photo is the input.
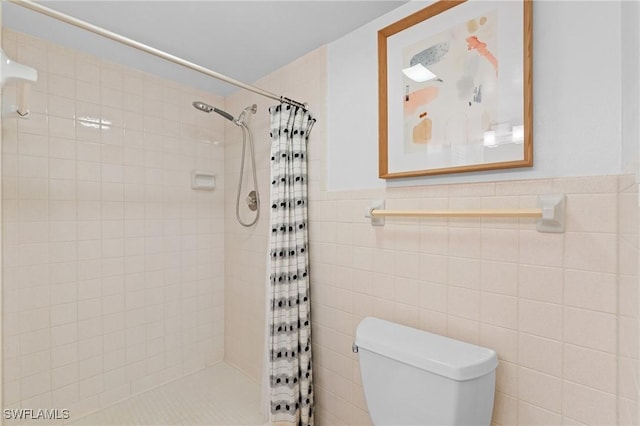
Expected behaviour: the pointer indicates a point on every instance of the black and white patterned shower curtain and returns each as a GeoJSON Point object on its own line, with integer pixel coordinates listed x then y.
{"type": "Point", "coordinates": [289, 343]}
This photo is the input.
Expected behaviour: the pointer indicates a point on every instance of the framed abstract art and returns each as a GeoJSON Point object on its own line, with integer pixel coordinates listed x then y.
{"type": "Point", "coordinates": [455, 89]}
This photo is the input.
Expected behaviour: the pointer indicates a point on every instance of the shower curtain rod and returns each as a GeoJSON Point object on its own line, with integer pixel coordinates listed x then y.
{"type": "Point", "coordinates": [151, 50]}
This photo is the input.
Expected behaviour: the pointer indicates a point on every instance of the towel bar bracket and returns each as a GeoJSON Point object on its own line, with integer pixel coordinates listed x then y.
{"type": "Point", "coordinates": [553, 208]}
{"type": "Point", "coordinates": [375, 205]}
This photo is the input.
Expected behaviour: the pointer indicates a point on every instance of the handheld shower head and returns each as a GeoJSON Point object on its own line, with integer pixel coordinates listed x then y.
{"type": "Point", "coordinates": [204, 107]}
{"type": "Point", "coordinates": [254, 198]}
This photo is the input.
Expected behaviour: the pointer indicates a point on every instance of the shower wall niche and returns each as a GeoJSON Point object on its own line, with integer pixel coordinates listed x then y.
{"type": "Point", "coordinates": [113, 277]}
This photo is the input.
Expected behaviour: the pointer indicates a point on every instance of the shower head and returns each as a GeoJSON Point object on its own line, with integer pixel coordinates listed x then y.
{"type": "Point", "coordinates": [199, 105]}
{"type": "Point", "coordinates": [202, 106]}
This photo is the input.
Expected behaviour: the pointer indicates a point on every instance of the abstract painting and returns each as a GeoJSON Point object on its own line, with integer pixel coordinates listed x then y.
{"type": "Point", "coordinates": [461, 99]}
{"type": "Point", "coordinates": [454, 97]}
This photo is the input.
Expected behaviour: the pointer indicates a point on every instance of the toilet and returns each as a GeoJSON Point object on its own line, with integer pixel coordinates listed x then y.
{"type": "Point", "coordinates": [412, 377]}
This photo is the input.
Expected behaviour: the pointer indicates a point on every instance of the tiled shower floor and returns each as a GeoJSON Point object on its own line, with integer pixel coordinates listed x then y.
{"type": "Point", "coordinates": [219, 395]}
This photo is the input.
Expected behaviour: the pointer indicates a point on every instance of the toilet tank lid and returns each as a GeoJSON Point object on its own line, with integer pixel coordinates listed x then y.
{"type": "Point", "coordinates": [431, 352]}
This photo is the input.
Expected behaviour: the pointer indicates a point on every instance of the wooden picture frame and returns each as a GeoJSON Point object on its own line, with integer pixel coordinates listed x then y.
{"type": "Point", "coordinates": [474, 112]}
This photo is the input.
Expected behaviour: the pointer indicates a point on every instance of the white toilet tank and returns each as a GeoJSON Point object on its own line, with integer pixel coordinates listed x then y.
{"type": "Point", "coordinates": [412, 377]}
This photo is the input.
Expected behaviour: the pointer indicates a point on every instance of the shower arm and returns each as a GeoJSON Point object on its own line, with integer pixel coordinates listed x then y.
{"type": "Point", "coordinates": [151, 50]}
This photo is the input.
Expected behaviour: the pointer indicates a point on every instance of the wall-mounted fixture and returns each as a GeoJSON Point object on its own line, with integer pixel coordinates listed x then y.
{"type": "Point", "coordinates": [550, 213]}
{"type": "Point", "coordinates": [203, 180]}
{"type": "Point", "coordinates": [11, 70]}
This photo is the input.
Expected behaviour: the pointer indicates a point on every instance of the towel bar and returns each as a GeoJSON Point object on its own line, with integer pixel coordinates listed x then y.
{"type": "Point", "coordinates": [550, 212]}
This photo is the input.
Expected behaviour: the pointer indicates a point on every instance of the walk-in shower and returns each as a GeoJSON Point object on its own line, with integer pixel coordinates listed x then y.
{"type": "Point", "coordinates": [114, 273]}
{"type": "Point", "coordinates": [253, 198]}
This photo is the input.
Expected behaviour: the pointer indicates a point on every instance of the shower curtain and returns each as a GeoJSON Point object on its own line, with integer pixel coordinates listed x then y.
{"type": "Point", "coordinates": [289, 340]}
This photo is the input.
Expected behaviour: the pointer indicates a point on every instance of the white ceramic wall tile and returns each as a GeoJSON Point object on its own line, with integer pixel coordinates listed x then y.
{"type": "Point", "coordinates": [505, 409]}
{"type": "Point", "coordinates": [505, 342]}
{"type": "Point", "coordinates": [531, 415]}
{"type": "Point", "coordinates": [541, 354]}
{"type": "Point", "coordinates": [499, 310]}
{"type": "Point", "coordinates": [540, 319]}
{"type": "Point", "coordinates": [499, 277]}
{"type": "Point", "coordinates": [540, 389]}
{"type": "Point", "coordinates": [590, 290]}
{"type": "Point", "coordinates": [591, 252]}
{"type": "Point", "coordinates": [595, 330]}
{"type": "Point", "coordinates": [587, 405]}
{"type": "Point", "coordinates": [72, 223]}
{"type": "Point", "coordinates": [591, 368]}
{"type": "Point", "coordinates": [540, 283]}
{"type": "Point", "coordinates": [464, 272]}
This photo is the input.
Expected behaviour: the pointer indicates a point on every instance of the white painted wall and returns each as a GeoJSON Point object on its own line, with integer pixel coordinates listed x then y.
{"type": "Point", "coordinates": [631, 87]}
{"type": "Point", "coordinates": [577, 98]}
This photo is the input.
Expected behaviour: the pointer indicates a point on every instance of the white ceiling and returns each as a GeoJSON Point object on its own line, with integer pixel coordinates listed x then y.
{"type": "Point", "coordinates": [241, 39]}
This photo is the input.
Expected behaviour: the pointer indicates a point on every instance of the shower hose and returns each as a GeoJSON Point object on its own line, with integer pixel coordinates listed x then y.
{"type": "Point", "coordinates": [245, 131]}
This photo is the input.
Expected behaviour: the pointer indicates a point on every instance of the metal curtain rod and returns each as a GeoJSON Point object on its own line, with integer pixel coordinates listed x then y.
{"type": "Point", "coordinates": [151, 50]}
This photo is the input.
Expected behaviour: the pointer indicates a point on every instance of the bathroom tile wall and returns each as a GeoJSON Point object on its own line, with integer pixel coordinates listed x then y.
{"type": "Point", "coordinates": [628, 301]}
{"type": "Point", "coordinates": [547, 303]}
{"type": "Point", "coordinates": [113, 266]}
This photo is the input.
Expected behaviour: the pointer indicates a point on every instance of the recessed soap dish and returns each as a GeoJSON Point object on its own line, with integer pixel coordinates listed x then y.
{"type": "Point", "coordinates": [203, 180]}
